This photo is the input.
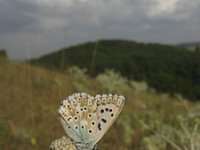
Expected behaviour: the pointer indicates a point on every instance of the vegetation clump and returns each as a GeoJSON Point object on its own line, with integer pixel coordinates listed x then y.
{"type": "Point", "coordinates": [149, 121]}
{"type": "Point", "coordinates": [169, 69]}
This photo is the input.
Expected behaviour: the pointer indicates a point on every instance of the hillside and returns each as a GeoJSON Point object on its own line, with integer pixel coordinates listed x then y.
{"type": "Point", "coordinates": [30, 96]}
{"type": "Point", "coordinates": [188, 44]}
{"type": "Point", "coordinates": [166, 68]}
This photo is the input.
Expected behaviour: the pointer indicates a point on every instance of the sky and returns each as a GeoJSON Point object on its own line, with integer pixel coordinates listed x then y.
{"type": "Point", "coordinates": [32, 28]}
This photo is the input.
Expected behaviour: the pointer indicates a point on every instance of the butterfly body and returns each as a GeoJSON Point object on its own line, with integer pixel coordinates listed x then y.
{"type": "Point", "coordinates": [86, 118]}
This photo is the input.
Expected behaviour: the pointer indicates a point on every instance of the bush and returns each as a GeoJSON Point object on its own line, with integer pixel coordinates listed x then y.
{"type": "Point", "coordinates": [79, 78]}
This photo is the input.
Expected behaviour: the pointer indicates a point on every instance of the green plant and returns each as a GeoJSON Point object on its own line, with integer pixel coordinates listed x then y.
{"type": "Point", "coordinates": [113, 82]}
{"type": "Point", "coordinates": [79, 78]}
{"type": "Point", "coordinates": [126, 122]}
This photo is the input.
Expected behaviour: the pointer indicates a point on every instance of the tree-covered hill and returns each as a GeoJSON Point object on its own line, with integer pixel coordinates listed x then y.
{"type": "Point", "coordinates": [166, 68]}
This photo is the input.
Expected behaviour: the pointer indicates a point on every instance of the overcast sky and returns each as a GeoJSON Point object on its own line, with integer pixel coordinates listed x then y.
{"type": "Point", "coordinates": [31, 28]}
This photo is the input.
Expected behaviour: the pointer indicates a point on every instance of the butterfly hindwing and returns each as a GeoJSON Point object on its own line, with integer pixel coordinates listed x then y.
{"type": "Point", "coordinates": [86, 118]}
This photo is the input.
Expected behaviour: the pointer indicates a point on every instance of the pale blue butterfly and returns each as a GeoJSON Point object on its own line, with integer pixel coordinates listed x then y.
{"type": "Point", "coordinates": [86, 119]}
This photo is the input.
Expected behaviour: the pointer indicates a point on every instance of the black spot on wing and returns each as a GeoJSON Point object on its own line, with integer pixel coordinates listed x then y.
{"type": "Point", "coordinates": [99, 126]}
{"type": "Point", "coordinates": [102, 111]}
{"type": "Point", "coordinates": [104, 120]}
{"type": "Point", "coordinates": [90, 131]}
{"type": "Point", "coordinates": [89, 115]}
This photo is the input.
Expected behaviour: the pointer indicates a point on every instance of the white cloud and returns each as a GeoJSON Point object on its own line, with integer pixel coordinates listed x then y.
{"type": "Point", "coordinates": [163, 7]}
{"type": "Point", "coordinates": [173, 9]}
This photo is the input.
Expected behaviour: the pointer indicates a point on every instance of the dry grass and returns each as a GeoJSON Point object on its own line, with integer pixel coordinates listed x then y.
{"type": "Point", "coordinates": [29, 98]}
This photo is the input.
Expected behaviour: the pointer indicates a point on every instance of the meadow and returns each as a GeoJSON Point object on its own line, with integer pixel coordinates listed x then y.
{"type": "Point", "coordinates": [30, 97]}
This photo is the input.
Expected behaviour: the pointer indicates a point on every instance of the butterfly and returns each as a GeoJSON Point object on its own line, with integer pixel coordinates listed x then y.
{"type": "Point", "coordinates": [86, 119]}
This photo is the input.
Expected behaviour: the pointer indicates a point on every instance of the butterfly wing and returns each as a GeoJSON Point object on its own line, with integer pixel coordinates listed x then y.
{"type": "Point", "coordinates": [78, 114]}
{"type": "Point", "coordinates": [86, 118]}
{"type": "Point", "coordinates": [108, 108]}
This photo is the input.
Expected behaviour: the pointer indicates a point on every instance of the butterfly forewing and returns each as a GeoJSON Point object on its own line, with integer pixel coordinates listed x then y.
{"type": "Point", "coordinates": [108, 110]}
{"type": "Point", "coordinates": [86, 118]}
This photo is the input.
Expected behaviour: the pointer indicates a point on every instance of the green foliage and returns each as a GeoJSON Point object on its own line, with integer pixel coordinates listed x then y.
{"type": "Point", "coordinates": [79, 78]}
{"type": "Point", "coordinates": [139, 86]}
{"type": "Point", "coordinates": [3, 53]}
{"type": "Point", "coordinates": [166, 68]}
{"type": "Point", "coordinates": [126, 122]}
{"type": "Point", "coordinates": [77, 72]}
{"type": "Point", "coordinates": [112, 82]}
{"type": "Point", "coordinates": [181, 133]}
{"type": "Point", "coordinates": [17, 136]}
{"type": "Point", "coordinates": [3, 56]}
{"type": "Point", "coordinates": [30, 97]}
{"type": "Point", "coordinates": [185, 135]}
{"type": "Point", "coordinates": [5, 133]}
